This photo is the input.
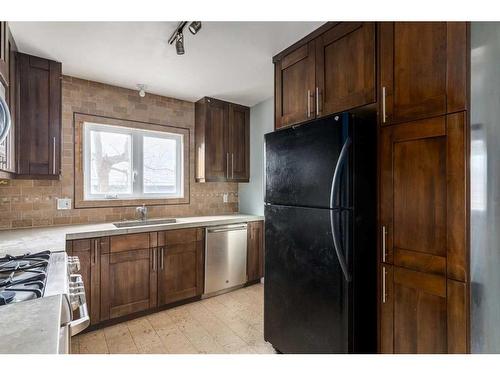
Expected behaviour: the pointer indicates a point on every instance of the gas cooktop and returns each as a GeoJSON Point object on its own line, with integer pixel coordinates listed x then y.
{"type": "Point", "coordinates": [23, 277]}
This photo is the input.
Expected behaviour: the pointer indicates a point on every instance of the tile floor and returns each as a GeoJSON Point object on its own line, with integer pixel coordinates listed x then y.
{"type": "Point", "coordinates": [229, 323]}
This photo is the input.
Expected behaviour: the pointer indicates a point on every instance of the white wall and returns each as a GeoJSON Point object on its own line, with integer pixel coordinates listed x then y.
{"type": "Point", "coordinates": [251, 194]}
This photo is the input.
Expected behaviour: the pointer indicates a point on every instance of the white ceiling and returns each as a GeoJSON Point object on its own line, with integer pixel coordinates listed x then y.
{"type": "Point", "coordinates": [226, 60]}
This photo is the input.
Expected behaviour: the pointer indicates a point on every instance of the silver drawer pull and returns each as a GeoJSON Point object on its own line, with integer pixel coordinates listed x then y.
{"type": "Point", "coordinates": [383, 285]}
{"type": "Point", "coordinates": [383, 105]}
{"type": "Point", "coordinates": [384, 234]}
{"type": "Point", "coordinates": [53, 155]}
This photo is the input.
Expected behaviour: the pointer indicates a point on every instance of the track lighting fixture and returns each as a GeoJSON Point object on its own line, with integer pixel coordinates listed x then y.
{"type": "Point", "coordinates": [179, 44]}
{"type": "Point", "coordinates": [194, 27]}
{"type": "Point", "coordinates": [142, 88]}
{"type": "Point", "coordinates": [178, 36]}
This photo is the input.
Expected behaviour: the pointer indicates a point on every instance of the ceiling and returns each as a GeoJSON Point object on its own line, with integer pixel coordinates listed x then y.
{"type": "Point", "coordinates": [226, 60]}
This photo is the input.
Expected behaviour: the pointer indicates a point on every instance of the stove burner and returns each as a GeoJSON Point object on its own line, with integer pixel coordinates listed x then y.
{"type": "Point", "coordinates": [24, 262]}
{"type": "Point", "coordinates": [6, 297]}
{"type": "Point", "coordinates": [23, 277]}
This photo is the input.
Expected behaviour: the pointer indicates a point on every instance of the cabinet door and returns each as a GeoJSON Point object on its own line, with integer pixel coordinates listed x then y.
{"type": "Point", "coordinates": [239, 143]}
{"type": "Point", "coordinates": [4, 70]}
{"type": "Point", "coordinates": [180, 274]}
{"type": "Point", "coordinates": [294, 87]}
{"type": "Point", "coordinates": [422, 313]}
{"type": "Point", "coordinates": [345, 67]}
{"type": "Point", "coordinates": [88, 252]}
{"type": "Point", "coordinates": [423, 69]}
{"type": "Point", "coordinates": [39, 128]}
{"type": "Point", "coordinates": [423, 195]}
{"type": "Point", "coordinates": [255, 250]}
{"type": "Point", "coordinates": [216, 150]}
{"type": "Point", "coordinates": [128, 278]}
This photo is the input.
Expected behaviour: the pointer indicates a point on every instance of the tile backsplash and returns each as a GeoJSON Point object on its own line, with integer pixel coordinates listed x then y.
{"type": "Point", "coordinates": [32, 203]}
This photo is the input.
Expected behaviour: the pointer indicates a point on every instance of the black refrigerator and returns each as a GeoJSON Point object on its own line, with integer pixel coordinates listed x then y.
{"type": "Point", "coordinates": [320, 262]}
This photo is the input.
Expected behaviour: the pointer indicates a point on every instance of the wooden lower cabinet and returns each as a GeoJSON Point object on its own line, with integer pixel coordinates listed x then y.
{"type": "Point", "coordinates": [180, 265]}
{"type": "Point", "coordinates": [129, 275]}
{"type": "Point", "coordinates": [128, 283]}
{"type": "Point", "coordinates": [88, 252]}
{"type": "Point", "coordinates": [421, 313]}
{"type": "Point", "coordinates": [255, 250]}
{"type": "Point", "coordinates": [423, 245]}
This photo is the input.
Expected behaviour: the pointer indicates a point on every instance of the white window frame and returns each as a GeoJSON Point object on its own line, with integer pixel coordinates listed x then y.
{"type": "Point", "coordinates": [137, 136]}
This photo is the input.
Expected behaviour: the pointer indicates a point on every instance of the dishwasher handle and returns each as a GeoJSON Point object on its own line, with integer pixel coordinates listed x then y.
{"type": "Point", "coordinates": [228, 228]}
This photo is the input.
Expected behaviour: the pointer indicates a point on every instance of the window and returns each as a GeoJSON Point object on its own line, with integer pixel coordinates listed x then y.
{"type": "Point", "coordinates": [127, 163]}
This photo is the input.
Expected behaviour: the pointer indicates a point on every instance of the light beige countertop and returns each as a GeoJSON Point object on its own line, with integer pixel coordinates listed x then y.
{"type": "Point", "coordinates": [19, 241]}
{"type": "Point", "coordinates": [31, 327]}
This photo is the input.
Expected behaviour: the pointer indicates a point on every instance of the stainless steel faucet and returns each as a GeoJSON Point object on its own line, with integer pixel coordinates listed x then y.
{"type": "Point", "coordinates": [143, 211]}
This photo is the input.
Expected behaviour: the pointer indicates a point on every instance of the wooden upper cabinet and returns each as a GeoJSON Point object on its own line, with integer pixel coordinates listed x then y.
{"type": "Point", "coordinates": [345, 67]}
{"type": "Point", "coordinates": [216, 130]}
{"type": "Point", "coordinates": [423, 69]}
{"type": "Point", "coordinates": [294, 86]}
{"type": "Point", "coordinates": [334, 71]}
{"type": "Point", "coordinates": [38, 130]}
{"type": "Point", "coordinates": [239, 143]}
{"type": "Point", "coordinates": [222, 136]}
{"type": "Point", "coordinates": [4, 55]}
{"type": "Point", "coordinates": [423, 195]}
{"type": "Point", "coordinates": [180, 265]}
{"type": "Point", "coordinates": [255, 250]}
{"type": "Point", "coordinates": [129, 275]}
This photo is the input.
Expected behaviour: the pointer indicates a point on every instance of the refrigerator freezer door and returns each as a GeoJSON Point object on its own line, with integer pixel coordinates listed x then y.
{"type": "Point", "coordinates": [301, 162]}
{"type": "Point", "coordinates": [306, 295]}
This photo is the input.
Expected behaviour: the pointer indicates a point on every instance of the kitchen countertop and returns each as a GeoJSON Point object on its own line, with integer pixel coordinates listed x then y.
{"type": "Point", "coordinates": [31, 327]}
{"type": "Point", "coordinates": [20, 241]}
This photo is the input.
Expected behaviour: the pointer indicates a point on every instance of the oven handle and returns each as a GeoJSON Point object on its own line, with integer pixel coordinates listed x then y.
{"type": "Point", "coordinates": [77, 297]}
{"type": "Point", "coordinates": [78, 325]}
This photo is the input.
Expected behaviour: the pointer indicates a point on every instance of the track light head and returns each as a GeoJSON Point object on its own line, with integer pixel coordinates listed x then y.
{"type": "Point", "coordinates": [179, 44]}
{"type": "Point", "coordinates": [194, 27]}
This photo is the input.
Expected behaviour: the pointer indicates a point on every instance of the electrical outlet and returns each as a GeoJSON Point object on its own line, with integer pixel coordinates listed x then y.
{"type": "Point", "coordinates": [225, 197]}
{"type": "Point", "coordinates": [63, 203]}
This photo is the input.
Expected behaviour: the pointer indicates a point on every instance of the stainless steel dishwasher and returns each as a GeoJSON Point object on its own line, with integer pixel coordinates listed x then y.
{"type": "Point", "coordinates": [225, 257]}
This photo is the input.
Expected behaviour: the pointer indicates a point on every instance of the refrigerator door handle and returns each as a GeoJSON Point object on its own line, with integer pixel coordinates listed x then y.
{"type": "Point", "coordinates": [338, 169]}
{"type": "Point", "coordinates": [338, 250]}
{"type": "Point", "coordinates": [333, 193]}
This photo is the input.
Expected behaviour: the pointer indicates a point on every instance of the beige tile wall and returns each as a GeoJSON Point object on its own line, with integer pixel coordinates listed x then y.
{"type": "Point", "coordinates": [27, 203]}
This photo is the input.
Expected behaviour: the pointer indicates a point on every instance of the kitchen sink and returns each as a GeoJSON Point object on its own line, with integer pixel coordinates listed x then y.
{"type": "Point", "coordinates": [138, 223]}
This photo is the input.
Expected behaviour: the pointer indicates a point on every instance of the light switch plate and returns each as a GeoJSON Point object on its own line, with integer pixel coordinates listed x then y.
{"type": "Point", "coordinates": [63, 203]}
{"type": "Point", "coordinates": [225, 197]}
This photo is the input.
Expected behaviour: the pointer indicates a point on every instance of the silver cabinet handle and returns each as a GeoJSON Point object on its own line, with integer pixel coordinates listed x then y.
{"type": "Point", "coordinates": [383, 285]}
{"type": "Point", "coordinates": [384, 233]}
{"type": "Point", "coordinates": [227, 164]}
{"type": "Point", "coordinates": [232, 166]}
{"type": "Point", "coordinates": [383, 105]}
{"type": "Point", "coordinates": [317, 101]}
{"type": "Point", "coordinates": [308, 103]}
{"type": "Point", "coordinates": [162, 257]}
{"type": "Point", "coordinates": [154, 258]}
{"type": "Point", "coordinates": [53, 155]}
{"type": "Point", "coordinates": [95, 251]}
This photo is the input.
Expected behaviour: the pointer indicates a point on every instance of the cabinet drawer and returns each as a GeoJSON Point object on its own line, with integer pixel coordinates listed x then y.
{"type": "Point", "coordinates": [179, 236]}
{"type": "Point", "coordinates": [81, 245]}
{"type": "Point", "coordinates": [129, 242]}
